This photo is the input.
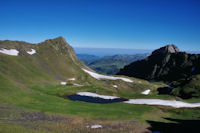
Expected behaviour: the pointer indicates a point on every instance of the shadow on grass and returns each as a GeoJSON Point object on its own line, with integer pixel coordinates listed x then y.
{"type": "Point", "coordinates": [177, 126]}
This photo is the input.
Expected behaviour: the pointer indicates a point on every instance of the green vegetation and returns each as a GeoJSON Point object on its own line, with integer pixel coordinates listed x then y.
{"type": "Point", "coordinates": [187, 88]}
{"type": "Point", "coordinates": [110, 64]}
{"type": "Point", "coordinates": [32, 99]}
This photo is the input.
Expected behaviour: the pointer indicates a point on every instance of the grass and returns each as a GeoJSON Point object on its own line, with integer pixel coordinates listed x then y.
{"type": "Point", "coordinates": [49, 99]}
{"type": "Point", "coordinates": [31, 84]}
{"type": "Point", "coordinates": [54, 104]}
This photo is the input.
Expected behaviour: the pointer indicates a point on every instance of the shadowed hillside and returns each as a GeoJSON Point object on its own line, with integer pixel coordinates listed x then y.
{"type": "Point", "coordinates": [170, 65]}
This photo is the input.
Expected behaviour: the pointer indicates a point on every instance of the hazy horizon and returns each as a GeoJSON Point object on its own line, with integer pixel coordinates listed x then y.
{"type": "Point", "coordinates": [114, 51]}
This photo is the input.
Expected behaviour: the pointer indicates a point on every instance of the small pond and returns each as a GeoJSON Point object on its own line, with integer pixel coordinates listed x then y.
{"type": "Point", "coordinates": [76, 97]}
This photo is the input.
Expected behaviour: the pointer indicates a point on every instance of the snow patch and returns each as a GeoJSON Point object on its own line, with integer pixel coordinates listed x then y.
{"type": "Point", "coordinates": [100, 76]}
{"type": "Point", "coordinates": [72, 79]}
{"type": "Point", "coordinates": [115, 86]}
{"type": "Point", "coordinates": [94, 126]}
{"type": "Point", "coordinates": [33, 51]}
{"type": "Point", "coordinates": [79, 85]}
{"type": "Point", "coordinates": [63, 83]}
{"type": "Point", "coordinates": [172, 103]}
{"type": "Point", "coordinates": [146, 92]}
{"type": "Point", "coordinates": [90, 94]}
{"type": "Point", "coordinates": [12, 52]}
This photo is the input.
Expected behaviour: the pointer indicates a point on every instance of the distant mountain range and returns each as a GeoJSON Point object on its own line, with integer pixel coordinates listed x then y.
{"type": "Point", "coordinates": [101, 52]}
{"type": "Point", "coordinates": [109, 64]}
{"type": "Point", "coordinates": [87, 58]}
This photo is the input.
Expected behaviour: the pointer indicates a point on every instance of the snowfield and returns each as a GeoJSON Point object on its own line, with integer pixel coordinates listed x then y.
{"type": "Point", "coordinates": [94, 126]}
{"type": "Point", "coordinates": [100, 76]}
{"type": "Point", "coordinates": [79, 85]}
{"type": "Point", "coordinates": [146, 92]}
{"type": "Point", "coordinates": [90, 94]}
{"type": "Point", "coordinates": [12, 52]}
{"type": "Point", "coordinates": [172, 103]}
{"type": "Point", "coordinates": [31, 52]}
{"type": "Point", "coordinates": [115, 86]}
{"type": "Point", "coordinates": [63, 83]}
{"type": "Point", "coordinates": [72, 79]}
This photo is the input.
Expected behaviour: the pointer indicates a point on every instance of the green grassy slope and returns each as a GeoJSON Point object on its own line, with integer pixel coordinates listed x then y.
{"type": "Point", "coordinates": [31, 84]}
{"type": "Point", "coordinates": [187, 88]}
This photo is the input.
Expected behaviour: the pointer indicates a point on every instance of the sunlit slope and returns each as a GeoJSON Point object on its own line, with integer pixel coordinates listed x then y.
{"type": "Point", "coordinates": [30, 80]}
{"type": "Point", "coordinates": [51, 62]}
{"type": "Point", "coordinates": [54, 60]}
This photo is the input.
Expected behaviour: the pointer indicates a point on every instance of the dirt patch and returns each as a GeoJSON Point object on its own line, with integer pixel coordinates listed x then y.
{"type": "Point", "coordinates": [38, 116]}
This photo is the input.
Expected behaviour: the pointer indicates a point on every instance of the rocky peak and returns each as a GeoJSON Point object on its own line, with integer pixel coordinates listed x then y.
{"type": "Point", "coordinates": [58, 40]}
{"type": "Point", "coordinates": [166, 49]}
{"type": "Point", "coordinates": [58, 43]}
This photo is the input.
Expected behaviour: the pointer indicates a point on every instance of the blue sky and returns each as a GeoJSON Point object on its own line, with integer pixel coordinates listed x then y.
{"type": "Point", "coordinates": [131, 24]}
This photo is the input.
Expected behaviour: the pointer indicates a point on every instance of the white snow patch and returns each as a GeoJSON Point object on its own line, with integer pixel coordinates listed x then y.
{"type": "Point", "coordinates": [63, 83]}
{"type": "Point", "coordinates": [79, 85]}
{"type": "Point", "coordinates": [72, 79]}
{"type": "Point", "coordinates": [90, 94]}
{"type": "Point", "coordinates": [115, 86]}
{"type": "Point", "coordinates": [100, 76]}
{"type": "Point", "coordinates": [94, 126]}
{"type": "Point", "coordinates": [33, 51]}
{"type": "Point", "coordinates": [146, 92]}
{"type": "Point", "coordinates": [172, 103]}
{"type": "Point", "coordinates": [12, 52]}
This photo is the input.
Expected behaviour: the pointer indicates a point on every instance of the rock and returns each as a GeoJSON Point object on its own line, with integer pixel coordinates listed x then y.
{"type": "Point", "coordinates": [164, 64]}
{"type": "Point", "coordinates": [166, 49]}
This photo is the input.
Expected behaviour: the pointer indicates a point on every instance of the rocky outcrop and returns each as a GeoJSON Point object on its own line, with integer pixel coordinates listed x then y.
{"type": "Point", "coordinates": [164, 64]}
{"type": "Point", "coordinates": [166, 49]}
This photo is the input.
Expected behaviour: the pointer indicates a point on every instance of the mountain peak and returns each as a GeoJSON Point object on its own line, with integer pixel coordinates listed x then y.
{"type": "Point", "coordinates": [167, 49]}
{"type": "Point", "coordinates": [58, 42]}
{"type": "Point", "coordinates": [58, 39]}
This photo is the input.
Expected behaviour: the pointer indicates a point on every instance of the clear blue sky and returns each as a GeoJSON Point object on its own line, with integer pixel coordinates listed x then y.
{"type": "Point", "coordinates": [138, 24]}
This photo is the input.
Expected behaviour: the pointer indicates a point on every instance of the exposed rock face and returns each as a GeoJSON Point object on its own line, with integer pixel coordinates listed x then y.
{"type": "Point", "coordinates": [164, 64]}
{"type": "Point", "coordinates": [167, 49]}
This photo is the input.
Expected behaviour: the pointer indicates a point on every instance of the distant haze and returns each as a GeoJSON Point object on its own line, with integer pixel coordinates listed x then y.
{"type": "Point", "coordinates": [109, 51]}
{"type": "Point", "coordinates": [113, 51]}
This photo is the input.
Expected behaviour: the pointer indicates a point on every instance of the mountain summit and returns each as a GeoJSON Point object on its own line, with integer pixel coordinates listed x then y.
{"type": "Point", "coordinates": [164, 64]}
{"type": "Point", "coordinates": [166, 49]}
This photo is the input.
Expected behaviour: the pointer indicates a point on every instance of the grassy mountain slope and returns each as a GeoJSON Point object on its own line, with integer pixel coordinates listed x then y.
{"type": "Point", "coordinates": [53, 62]}
{"type": "Point", "coordinates": [187, 88]}
{"type": "Point", "coordinates": [32, 99]}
